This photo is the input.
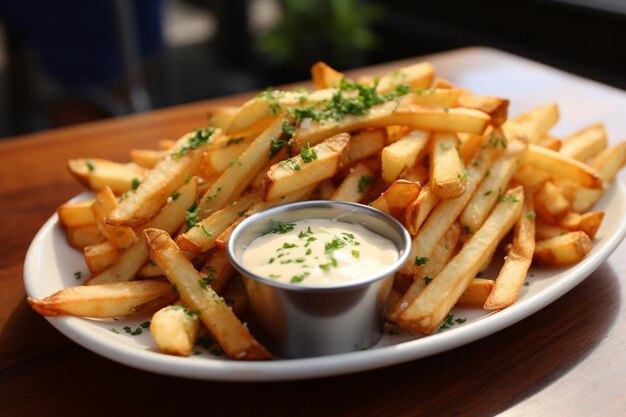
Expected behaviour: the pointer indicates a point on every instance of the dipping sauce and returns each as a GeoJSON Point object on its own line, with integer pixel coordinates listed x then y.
{"type": "Point", "coordinates": [319, 252]}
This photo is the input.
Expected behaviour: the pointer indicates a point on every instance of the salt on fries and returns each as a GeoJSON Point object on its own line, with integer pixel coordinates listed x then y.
{"type": "Point", "coordinates": [449, 164]}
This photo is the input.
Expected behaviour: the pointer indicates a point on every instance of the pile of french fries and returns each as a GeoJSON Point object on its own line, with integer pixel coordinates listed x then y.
{"type": "Point", "coordinates": [448, 164]}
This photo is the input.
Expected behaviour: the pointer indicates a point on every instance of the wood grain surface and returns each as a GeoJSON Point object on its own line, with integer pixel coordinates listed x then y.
{"type": "Point", "coordinates": [569, 359]}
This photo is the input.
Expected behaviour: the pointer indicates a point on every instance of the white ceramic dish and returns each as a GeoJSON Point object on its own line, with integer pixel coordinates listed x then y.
{"type": "Point", "coordinates": [50, 263]}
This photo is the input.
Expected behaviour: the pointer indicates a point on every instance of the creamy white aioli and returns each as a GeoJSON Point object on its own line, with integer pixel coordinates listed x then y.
{"type": "Point", "coordinates": [319, 252]}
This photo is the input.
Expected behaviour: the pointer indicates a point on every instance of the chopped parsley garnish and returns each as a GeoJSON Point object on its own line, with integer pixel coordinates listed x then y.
{"type": "Point", "coordinates": [486, 193]}
{"type": "Point", "coordinates": [134, 184]}
{"type": "Point", "coordinates": [78, 275]}
{"type": "Point", "coordinates": [308, 154]}
{"type": "Point", "coordinates": [335, 244]}
{"type": "Point", "coordinates": [287, 245]}
{"type": "Point", "coordinates": [200, 137]}
{"type": "Point", "coordinates": [192, 216]}
{"type": "Point", "coordinates": [277, 144]}
{"type": "Point", "coordinates": [90, 165]}
{"type": "Point", "coordinates": [233, 162]}
{"type": "Point", "coordinates": [290, 163]}
{"type": "Point", "coordinates": [356, 253]}
{"type": "Point", "coordinates": [287, 128]}
{"type": "Point", "coordinates": [274, 276]}
{"type": "Point", "coordinates": [427, 280]}
{"type": "Point", "coordinates": [112, 330]}
{"type": "Point", "coordinates": [274, 108]}
{"type": "Point", "coordinates": [497, 140]}
{"type": "Point", "coordinates": [364, 181]}
{"type": "Point", "coordinates": [282, 227]}
{"type": "Point", "coordinates": [508, 198]}
{"type": "Point", "coordinates": [531, 215]}
{"type": "Point", "coordinates": [450, 321]}
{"type": "Point", "coordinates": [468, 230]}
{"type": "Point", "coordinates": [299, 278]}
{"type": "Point", "coordinates": [175, 195]}
{"type": "Point", "coordinates": [421, 260]}
{"type": "Point", "coordinates": [175, 289]}
{"type": "Point", "coordinates": [138, 330]}
{"type": "Point", "coordinates": [464, 175]}
{"type": "Point", "coordinates": [206, 231]}
{"type": "Point", "coordinates": [476, 163]}
{"type": "Point", "coordinates": [206, 281]}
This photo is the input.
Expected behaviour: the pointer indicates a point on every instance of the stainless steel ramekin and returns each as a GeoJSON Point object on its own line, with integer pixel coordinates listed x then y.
{"type": "Point", "coordinates": [296, 320]}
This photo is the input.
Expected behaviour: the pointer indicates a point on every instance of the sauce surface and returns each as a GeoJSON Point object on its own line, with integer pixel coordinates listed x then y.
{"type": "Point", "coordinates": [319, 252]}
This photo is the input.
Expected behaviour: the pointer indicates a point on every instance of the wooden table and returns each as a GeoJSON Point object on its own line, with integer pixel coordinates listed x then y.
{"type": "Point", "coordinates": [568, 359]}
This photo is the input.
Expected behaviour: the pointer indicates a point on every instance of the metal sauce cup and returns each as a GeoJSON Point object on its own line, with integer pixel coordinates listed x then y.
{"type": "Point", "coordinates": [296, 320]}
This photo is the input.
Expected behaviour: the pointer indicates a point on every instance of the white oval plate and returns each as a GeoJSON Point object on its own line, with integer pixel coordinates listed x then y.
{"type": "Point", "coordinates": [50, 263]}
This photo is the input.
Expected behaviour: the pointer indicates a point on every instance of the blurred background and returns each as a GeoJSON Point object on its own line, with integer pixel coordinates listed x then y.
{"type": "Point", "coordinates": [64, 62]}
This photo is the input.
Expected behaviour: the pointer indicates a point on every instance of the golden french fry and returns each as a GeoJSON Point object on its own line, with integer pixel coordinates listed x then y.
{"type": "Point", "coordinates": [299, 195]}
{"type": "Point", "coordinates": [365, 144]}
{"type": "Point", "coordinates": [240, 174]}
{"type": "Point", "coordinates": [146, 158]}
{"type": "Point", "coordinates": [402, 154]}
{"type": "Point", "coordinates": [561, 166]}
{"type": "Point", "coordinates": [587, 222]}
{"type": "Point", "coordinates": [550, 204]}
{"type": "Point", "coordinates": [586, 143]}
{"type": "Point", "coordinates": [531, 178]}
{"type": "Point", "coordinates": [610, 161]}
{"type": "Point", "coordinates": [82, 236]}
{"type": "Point", "coordinates": [544, 231]}
{"type": "Point", "coordinates": [436, 97]}
{"type": "Point", "coordinates": [218, 269]}
{"type": "Point", "coordinates": [233, 337]}
{"type": "Point", "coordinates": [417, 76]}
{"type": "Point", "coordinates": [476, 293]}
{"type": "Point", "coordinates": [492, 187]}
{"type": "Point", "coordinates": [446, 211]}
{"type": "Point", "coordinates": [550, 143]}
{"type": "Point", "coordinates": [201, 237]}
{"type": "Point", "coordinates": [417, 212]}
{"type": "Point", "coordinates": [426, 313]}
{"type": "Point", "coordinates": [221, 116]}
{"type": "Point", "coordinates": [76, 214]}
{"type": "Point", "coordinates": [314, 164]}
{"type": "Point", "coordinates": [219, 158]}
{"type": "Point", "coordinates": [397, 197]}
{"type": "Point", "coordinates": [536, 123]}
{"type": "Point", "coordinates": [166, 177]}
{"type": "Point", "coordinates": [447, 171]}
{"type": "Point", "coordinates": [121, 237]}
{"type": "Point", "coordinates": [106, 300]}
{"type": "Point", "coordinates": [356, 184]}
{"type": "Point", "coordinates": [393, 113]}
{"type": "Point", "coordinates": [469, 145]}
{"type": "Point", "coordinates": [585, 198]}
{"type": "Point", "coordinates": [497, 108]}
{"type": "Point", "coordinates": [97, 173]}
{"type": "Point", "coordinates": [175, 329]}
{"type": "Point", "coordinates": [415, 284]}
{"type": "Point", "coordinates": [99, 256]}
{"type": "Point", "coordinates": [324, 76]}
{"type": "Point", "coordinates": [563, 250]}
{"type": "Point", "coordinates": [513, 273]}
{"type": "Point", "coordinates": [169, 219]}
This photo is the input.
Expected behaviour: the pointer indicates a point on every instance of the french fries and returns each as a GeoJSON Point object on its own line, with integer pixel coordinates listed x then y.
{"type": "Point", "coordinates": [226, 329]}
{"type": "Point", "coordinates": [426, 313]}
{"type": "Point", "coordinates": [447, 163]}
{"type": "Point", "coordinates": [106, 300]}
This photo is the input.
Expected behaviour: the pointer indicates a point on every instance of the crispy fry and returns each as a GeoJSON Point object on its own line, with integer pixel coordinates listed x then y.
{"type": "Point", "coordinates": [313, 165]}
{"type": "Point", "coordinates": [166, 177]}
{"type": "Point", "coordinates": [324, 76]}
{"type": "Point", "coordinates": [97, 173]}
{"type": "Point", "coordinates": [99, 256]}
{"type": "Point", "coordinates": [169, 219]}
{"type": "Point", "coordinates": [492, 187]}
{"type": "Point", "coordinates": [447, 171]}
{"type": "Point", "coordinates": [415, 284]}
{"type": "Point", "coordinates": [588, 222]}
{"type": "Point", "coordinates": [417, 212]}
{"type": "Point", "coordinates": [446, 211]}
{"type": "Point", "coordinates": [403, 154]}
{"type": "Point", "coordinates": [561, 166]}
{"type": "Point", "coordinates": [175, 329]}
{"type": "Point", "coordinates": [392, 113]}
{"type": "Point", "coordinates": [426, 313]}
{"type": "Point", "coordinates": [146, 158]}
{"type": "Point", "coordinates": [121, 237]}
{"type": "Point", "coordinates": [550, 204]}
{"type": "Point", "coordinates": [609, 161]}
{"type": "Point", "coordinates": [550, 143]}
{"type": "Point", "coordinates": [106, 300]}
{"type": "Point", "coordinates": [201, 237]}
{"type": "Point", "coordinates": [476, 293]}
{"type": "Point", "coordinates": [497, 108]}
{"type": "Point", "coordinates": [563, 250]}
{"type": "Point", "coordinates": [219, 269]}
{"type": "Point", "coordinates": [586, 143]}
{"type": "Point", "coordinates": [81, 236]}
{"type": "Point", "coordinates": [219, 319]}
{"type": "Point", "coordinates": [239, 174]}
{"type": "Point", "coordinates": [356, 184]}
{"type": "Point", "coordinates": [397, 197]}
{"type": "Point", "coordinates": [536, 123]}
{"type": "Point", "coordinates": [517, 261]}
{"type": "Point", "coordinates": [417, 76]}
{"type": "Point", "coordinates": [76, 214]}
{"type": "Point", "coordinates": [365, 144]}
